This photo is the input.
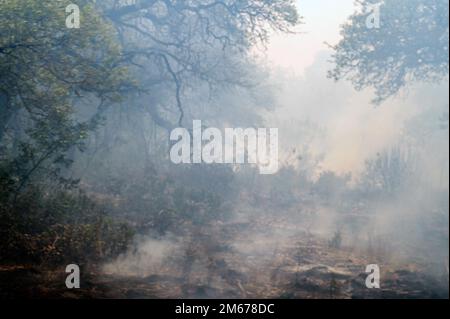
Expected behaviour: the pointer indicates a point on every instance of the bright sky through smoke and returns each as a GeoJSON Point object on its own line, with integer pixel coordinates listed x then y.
{"type": "Point", "coordinates": [321, 21]}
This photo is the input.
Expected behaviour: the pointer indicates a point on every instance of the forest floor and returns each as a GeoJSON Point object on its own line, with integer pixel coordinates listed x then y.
{"type": "Point", "coordinates": [238, 259]}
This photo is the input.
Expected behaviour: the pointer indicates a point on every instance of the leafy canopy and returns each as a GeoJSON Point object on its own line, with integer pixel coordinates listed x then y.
{"type": "Point", "coordinates": [412, 44]}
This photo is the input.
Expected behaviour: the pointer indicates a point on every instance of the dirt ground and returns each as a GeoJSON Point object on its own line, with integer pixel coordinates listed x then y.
{"type": "Point", "coordinates": [224, 261]}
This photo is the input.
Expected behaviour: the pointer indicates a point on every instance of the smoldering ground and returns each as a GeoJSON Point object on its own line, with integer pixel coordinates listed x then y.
{"type": "Point", "coordinates": [328, 213]}
{"type": "Point", "coordinates": [311, 245]}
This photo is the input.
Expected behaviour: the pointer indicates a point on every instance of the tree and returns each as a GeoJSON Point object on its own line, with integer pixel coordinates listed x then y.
{"type": "Point", "coordinates": [175, 46]}
{"type": "Point", "coordinates": [389, 172]}
{"type": "Point", "coordinates": [191, 60]}
{"type": "Point", "coordinates": [412, 44]}
{"type": "Point", "coordinates": [50, 73]}
{"type": "Point", "coordinates": [44, 69]}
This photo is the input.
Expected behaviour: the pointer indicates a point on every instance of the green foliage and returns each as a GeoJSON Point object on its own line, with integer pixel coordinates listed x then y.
{"type": "Point", "coordinates": [44, 69]}
{"type": "Point", "coordinates": [160, 201]}
{"type": "Point", "coordinates": [411, 44]}
{"type": "Point", "coordinates": [44, 226]}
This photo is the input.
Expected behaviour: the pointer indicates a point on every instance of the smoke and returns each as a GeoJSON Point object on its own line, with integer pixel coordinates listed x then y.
{"type": "Point", "coordinates": [354, 129]}
{"type": "Point", "coordinates": [147, 256]}
{"type": "Point", "coordinates": [366, 184]}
